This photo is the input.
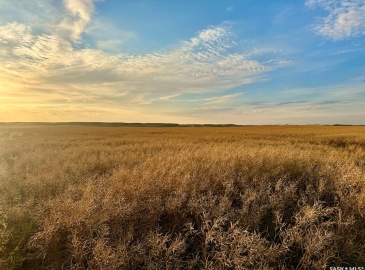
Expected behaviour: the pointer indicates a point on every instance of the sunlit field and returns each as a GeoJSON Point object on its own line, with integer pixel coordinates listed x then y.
{"type": "Point", "coordinates": [271, 197]}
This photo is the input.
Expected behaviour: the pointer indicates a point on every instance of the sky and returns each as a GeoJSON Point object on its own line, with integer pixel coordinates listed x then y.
{"type": "Point", "coordinates": [233, 61]}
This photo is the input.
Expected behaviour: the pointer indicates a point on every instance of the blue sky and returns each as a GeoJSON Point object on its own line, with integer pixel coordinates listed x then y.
{"type": "Point", "coordinates": [242, 62]}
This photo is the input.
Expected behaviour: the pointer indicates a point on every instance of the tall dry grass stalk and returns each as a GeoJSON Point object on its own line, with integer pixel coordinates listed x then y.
{"type": "Point", "coordinates": [182, 198]}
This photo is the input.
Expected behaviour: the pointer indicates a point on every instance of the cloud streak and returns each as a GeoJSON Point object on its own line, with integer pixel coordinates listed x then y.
{"type": "Point", "coordinates": [222, 99]}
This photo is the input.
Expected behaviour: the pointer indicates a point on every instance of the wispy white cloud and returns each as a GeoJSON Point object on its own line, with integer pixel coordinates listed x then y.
{"type": "Point", "coordinates": [229, 9]}
{"type": "Point", "coordinates": [222, 99]}
{"type": "Point", "coordinates": [107, 36]}
{"type": "Point", "coordinates": [345, 19]}
{"type": "Point", "coordinates": [13, 33]}
{"type": "Point", "coordinates": [77, 17]}
{"type": "Point", "coordinates": [214, 34]}
{"type": "Point", "coordinates": [42, 15]}
{"type": "Point", "coordinates": [110, 45]}
{"type": "Point", "coordinates": [205, 63]}
{"type": "Point", "coordinates": [169, 97]}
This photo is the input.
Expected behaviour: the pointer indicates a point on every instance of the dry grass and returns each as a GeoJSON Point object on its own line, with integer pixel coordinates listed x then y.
{"type": "Point", "coordinates": [182, 198]}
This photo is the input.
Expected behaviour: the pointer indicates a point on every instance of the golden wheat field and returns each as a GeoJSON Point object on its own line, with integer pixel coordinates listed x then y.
{"type": "Point", "coordinates": [264, 197]}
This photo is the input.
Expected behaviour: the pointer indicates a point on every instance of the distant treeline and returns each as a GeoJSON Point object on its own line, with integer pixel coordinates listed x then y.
{"type": "Point", "coordinates": [113, 124]}
{"type": "Point", "coordinates": [121, 124]}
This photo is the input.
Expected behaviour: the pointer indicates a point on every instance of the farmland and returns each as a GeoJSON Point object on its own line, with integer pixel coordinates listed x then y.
{"type": "Point", "coordinates": [256, 197]}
